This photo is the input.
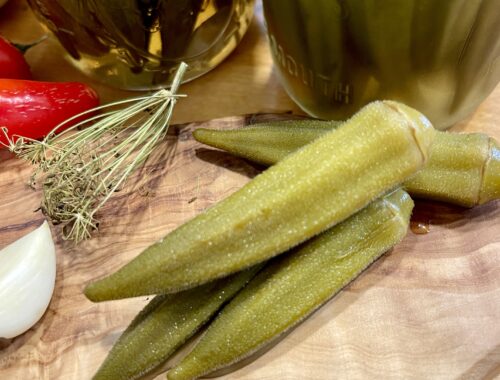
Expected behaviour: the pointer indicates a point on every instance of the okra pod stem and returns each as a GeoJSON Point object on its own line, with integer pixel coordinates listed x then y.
{"type": "Point", "coordinates": [463, 169]}
{"type": "Point", "coordinates": [306, 193]}
{"type": "Point", "coordinates": [292, 286]}
{"type": "Point", "coordinates": [165, 324]}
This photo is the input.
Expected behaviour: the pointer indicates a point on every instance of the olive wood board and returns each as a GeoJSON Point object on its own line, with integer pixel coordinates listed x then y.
{"type": "Point", "coordinates": [428, 309]}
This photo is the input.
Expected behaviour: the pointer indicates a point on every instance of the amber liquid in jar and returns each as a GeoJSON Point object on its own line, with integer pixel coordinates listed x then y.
{"type": "Point", "coordinates": [138, 44]}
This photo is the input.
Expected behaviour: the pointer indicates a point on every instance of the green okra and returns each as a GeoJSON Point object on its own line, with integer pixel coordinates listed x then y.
{"type": "Point", "coordinates": [265, 143]}
{"type": "Point", "coordinates": [300, 123]}
{"type": "Point", "coordinates": [463, 169]}
{"type": "Point", "coordinates": [165, 324]}
{"type": "Point", "coordinates": [294, 285]}
{"type": "Point", "coordinates": [304, 194]}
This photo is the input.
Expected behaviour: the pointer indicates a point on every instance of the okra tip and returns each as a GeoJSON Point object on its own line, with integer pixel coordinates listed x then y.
{"type": "Point", "coordinates": [102, 290]}
{"type": "Point", "coordinates": [90, 293]}
{"type": "Point", "coordinates": [202, 135]}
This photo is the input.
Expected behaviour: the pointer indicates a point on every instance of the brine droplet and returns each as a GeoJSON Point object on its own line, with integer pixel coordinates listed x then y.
{"type": "Point", "coordinates": [420, 228]}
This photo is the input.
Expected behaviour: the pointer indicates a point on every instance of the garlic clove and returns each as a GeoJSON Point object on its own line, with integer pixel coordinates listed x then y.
{"type": "Point", "coordinates": [27, 278]}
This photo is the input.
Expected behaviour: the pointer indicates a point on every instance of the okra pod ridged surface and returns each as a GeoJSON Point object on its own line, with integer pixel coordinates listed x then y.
{"type": "Point", "coordinates": [292, 286]}
{"type": "Point", "coordinates": [463, 169]}
{"type": "Point", "coordinates": [304, 194]}
{"type": "Point", "coordinates": [165, 324]}
{"type": "Point", "coordinates": [261, 143]}
{"type": "Point", "coordinates": [299, 123]}
{"type": "Point", "coordinates": [265, 144]}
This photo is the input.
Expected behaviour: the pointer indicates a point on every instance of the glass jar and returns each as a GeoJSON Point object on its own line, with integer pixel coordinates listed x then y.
{"type": "Point", "coordinates": [441, 57]}
{"type": "Point", "coordinates": [138, 44]}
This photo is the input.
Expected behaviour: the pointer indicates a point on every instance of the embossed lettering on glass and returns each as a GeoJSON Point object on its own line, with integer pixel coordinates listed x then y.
{"type": "Point", "coordinates": [441, 57]}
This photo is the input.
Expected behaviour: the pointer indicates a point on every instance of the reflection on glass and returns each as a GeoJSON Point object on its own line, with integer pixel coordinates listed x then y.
{"type": "Point", "coordinates": [334, 56]}
{"type": "Point", "coordinates": [137, 44]}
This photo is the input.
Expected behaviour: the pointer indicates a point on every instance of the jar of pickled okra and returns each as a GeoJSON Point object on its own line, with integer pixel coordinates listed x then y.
{"type": "Point", "coordinates": [138, 44]}
{"type": "Point", "coordinates": [441, 57]}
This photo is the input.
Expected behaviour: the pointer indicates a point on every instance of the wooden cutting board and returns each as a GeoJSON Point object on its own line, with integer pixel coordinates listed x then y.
{"type": "Point", "coordinates": [430, 308]}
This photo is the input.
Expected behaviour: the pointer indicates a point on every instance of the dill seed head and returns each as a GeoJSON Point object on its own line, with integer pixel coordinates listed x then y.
{"type": "Point", "coordinates": [80, 168]}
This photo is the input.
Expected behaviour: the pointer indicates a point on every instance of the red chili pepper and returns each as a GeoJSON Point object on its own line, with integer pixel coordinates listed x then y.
{"type": "Point", "coordinates": [32, 109]}
{"type": "Point", "coordinates": [12, 62]}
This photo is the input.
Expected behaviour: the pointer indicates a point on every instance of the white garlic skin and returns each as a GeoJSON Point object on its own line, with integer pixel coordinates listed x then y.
{"type": "Point", "coordinates": [27, 278]}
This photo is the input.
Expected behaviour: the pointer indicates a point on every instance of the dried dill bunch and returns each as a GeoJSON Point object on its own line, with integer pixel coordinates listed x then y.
{"type": "Point", "coordinates": [80, 168]}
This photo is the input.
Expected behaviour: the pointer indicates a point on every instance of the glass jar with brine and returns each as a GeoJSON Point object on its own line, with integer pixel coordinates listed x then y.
{"type": "Point", "coordinates": [441, 57]}
{"type": "Point", "coordinates": [138, 44]}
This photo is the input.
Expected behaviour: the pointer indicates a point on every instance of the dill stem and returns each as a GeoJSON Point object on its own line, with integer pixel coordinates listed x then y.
{"type": "Point", "coordinates": [83, 168]}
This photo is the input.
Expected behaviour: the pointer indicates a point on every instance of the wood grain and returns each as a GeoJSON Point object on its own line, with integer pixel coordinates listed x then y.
{"type": "Point", "coordinates": [428, 309]}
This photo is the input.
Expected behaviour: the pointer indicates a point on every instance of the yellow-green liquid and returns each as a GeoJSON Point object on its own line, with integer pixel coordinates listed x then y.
{"type": "Point", "coordinates": [138, 44]}
{"type": "Point", "coordinates": [438, 56]}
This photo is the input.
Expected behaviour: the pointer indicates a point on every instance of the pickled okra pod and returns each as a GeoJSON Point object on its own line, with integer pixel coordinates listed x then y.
{"type": "Point", "coordinates": [304, 194]}
{"type": "Point", "coordinates": [165, 324]}
{"type": "Point", "coordinates": [294, 285]}
{"type": "Point", "coordinates": [263, 143]}
{"type": "Point", "coordinates": [463, 169]}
